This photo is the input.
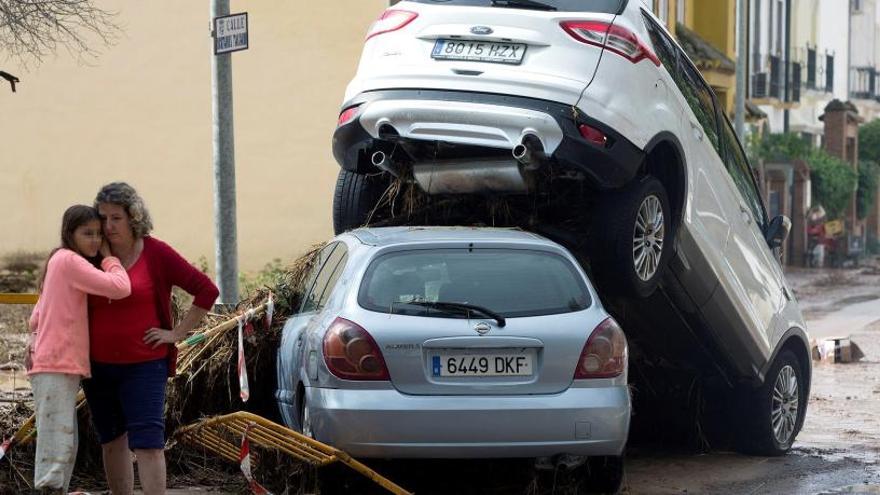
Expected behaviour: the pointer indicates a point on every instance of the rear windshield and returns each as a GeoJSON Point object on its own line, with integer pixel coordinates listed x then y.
{"type": "Point", "coordinates": [513, 283]}
{"type": "Point", "coordinates": [603, 6]}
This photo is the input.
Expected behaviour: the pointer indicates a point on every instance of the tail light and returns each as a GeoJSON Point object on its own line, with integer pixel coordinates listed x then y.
{"type": "Point", "coordinates": [347, 116]}
{"type": "Point", "coordinates": [593, 135]}
{"type": "Point", "coordinates": [617, 39]}
{"type": "Point", "coordinates": [391, 20]}
{"type": "Point", "coordinates": [352, 354]}
{"type": "Point", "coordinates": [605, 353]}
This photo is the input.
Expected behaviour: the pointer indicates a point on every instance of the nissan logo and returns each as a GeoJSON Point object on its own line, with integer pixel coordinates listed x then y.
{"type": "Point", "coordinates": [482, 328]}
{"type": "Point", "coordinates": [482, 30]}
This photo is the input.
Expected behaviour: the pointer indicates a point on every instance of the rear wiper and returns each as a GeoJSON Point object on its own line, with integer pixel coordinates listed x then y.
{"type": "Point", "coordinates": [455, 306]}
{"type": "Point", "coordinates": [522, 4]}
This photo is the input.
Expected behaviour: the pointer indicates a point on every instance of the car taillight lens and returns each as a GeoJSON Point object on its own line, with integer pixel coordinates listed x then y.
{"type": "Point", "coordinates": [352, 354]}
{"type": "Point", "coordinates": [604, 354]}
{"type": "Point", "coordinates": [618, 39]}
{"type": "Point", "coordinates": [347, 116]}
{"type": "Point", "coordinates": [593, 135]}
{"type": "Point", "coordinates": [391, 20]}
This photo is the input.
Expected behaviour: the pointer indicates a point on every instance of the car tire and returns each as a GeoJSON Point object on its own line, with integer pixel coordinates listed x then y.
{"type": "Point", "coordinates": [774, 412]}
{"type": "Point", "coordinates": [620, 266]}
{"type": "Point", "coordinates": [355, 198]}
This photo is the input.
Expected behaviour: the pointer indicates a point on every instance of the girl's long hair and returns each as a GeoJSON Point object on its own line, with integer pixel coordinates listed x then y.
{"type": "Point", "coordinates": [74, 217]}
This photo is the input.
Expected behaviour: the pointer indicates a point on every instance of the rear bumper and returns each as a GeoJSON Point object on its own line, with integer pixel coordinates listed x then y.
{"type": "Point", "coordinates": [488, 121]}
{"type": "Point", "coordinates": [388, 424]}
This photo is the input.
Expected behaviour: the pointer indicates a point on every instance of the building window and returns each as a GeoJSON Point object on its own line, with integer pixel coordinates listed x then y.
{"type": "Point", "coordinates": [681, 11]}
{"type": "Point", "coordinates": [856, 6]}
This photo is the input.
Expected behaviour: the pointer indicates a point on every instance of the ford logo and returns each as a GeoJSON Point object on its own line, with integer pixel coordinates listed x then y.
{"type": "Point", "coordinates": [482, 30]}
{"type": "Point", "coordinates": [482, 328]}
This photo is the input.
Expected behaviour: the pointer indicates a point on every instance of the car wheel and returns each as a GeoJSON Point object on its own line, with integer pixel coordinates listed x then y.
{"type": "Point", "coordinates": [776, 409]}
{"type": "Point", "coordinates": [632, 238]}
{"type": "Point", "coordinates": [355, 198]}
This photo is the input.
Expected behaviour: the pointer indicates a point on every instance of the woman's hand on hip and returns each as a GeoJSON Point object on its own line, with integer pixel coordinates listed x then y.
{"type": "Point", "coordinates": [159, 336]}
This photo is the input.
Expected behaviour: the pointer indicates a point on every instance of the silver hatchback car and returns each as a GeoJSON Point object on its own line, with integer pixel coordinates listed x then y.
{"type": "Point", "coordinates": [454, 343]}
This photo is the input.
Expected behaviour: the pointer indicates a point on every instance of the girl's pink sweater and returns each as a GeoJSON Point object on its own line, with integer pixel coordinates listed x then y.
{"type": "Point", "coordinates": [60, 319]}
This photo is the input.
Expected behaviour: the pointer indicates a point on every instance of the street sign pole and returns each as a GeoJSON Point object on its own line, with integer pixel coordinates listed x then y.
{"type": "Point", "coordinates": [225, 232]}
{"type": "Point", "coordinates": [742, 23]}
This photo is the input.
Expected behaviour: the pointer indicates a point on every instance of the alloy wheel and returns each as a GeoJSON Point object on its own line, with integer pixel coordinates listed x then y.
{"type": "Point", "coordinates": [784, 409]}
{"type": "Point", "coordinates": [648, 237]}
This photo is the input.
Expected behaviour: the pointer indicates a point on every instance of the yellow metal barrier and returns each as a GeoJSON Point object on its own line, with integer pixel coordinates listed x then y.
{"type": "Point", "coordinates": [12, 298]}
{"type": "Point", "coordinates": [213, 433]}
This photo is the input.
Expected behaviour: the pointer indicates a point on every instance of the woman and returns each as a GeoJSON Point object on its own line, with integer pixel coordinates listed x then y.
{"type": "Point", "coordinates": [132, 342]}
{"type": "Point", "coordinates": [58, 352]}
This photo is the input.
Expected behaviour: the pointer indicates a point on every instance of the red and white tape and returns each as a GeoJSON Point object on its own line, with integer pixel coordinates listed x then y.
{"type": "Point", "coordinates": [270, 311]}
{"type": "Point", "coordinates": [244, 388]}
{"type": "Point", "coordinates": [4, 447]}
{"type": "Point", "coordinates": [244, 457]}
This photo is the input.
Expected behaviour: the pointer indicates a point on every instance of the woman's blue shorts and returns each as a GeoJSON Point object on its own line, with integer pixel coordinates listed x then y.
{"type": "Point", "coordinates": [129, 398]}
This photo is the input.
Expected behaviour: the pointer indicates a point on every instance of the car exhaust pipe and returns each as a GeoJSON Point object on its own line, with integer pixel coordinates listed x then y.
{"type": "Point", "coordinates": [529, 154]}
{"type": "Point", "coordinates": [380, 160]}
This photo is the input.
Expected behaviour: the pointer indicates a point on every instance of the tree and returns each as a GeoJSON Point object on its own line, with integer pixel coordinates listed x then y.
{"type": "Point", "coordinates": [33, 29]}
{"type": "Point", "coordinates": [869, 141]}
{"type": "Point", "coordinates": [833, 180]}
{"type": "Point", "coordinates": [867, 191]}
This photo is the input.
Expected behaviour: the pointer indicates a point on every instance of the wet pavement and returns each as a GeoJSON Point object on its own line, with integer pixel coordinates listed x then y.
{"type": "Point", "coordinates": [838, 451]}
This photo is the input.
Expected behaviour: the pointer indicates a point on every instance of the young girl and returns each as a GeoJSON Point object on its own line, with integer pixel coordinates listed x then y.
{"type": "Point", "coordinates": [58, 355]}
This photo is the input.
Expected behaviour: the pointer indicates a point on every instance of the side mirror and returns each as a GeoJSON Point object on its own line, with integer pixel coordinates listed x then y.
{"type": "Point", "coordinates": [777, 231]}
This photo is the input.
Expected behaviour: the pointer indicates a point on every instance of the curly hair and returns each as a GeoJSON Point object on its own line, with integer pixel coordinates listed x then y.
{"type": "Point", "coordinates": [121, 194]}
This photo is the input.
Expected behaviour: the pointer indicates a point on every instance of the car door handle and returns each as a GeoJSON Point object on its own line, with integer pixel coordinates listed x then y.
{"type": "Point", "coordinates": [747, 215]}
{"type": "Point", "coordinates": [698, 131]}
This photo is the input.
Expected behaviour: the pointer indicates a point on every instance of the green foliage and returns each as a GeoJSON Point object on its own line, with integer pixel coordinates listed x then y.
{"type": "Point", "coordinates": [868, 172]}
{"type": "Point", "coordinates": [833, 182]}
{"type": "Point", "coordinates": [869, 141]}
{"type": "Point", "coordinates": [782, 147]}
{"type": "Point", "coordinates": [271, 275]}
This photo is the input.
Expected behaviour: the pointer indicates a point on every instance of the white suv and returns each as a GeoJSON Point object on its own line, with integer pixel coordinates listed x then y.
{"type": "Point", "coordinates": [539, 98]}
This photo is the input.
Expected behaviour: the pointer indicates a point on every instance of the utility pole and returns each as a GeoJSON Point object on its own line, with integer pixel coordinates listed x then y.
{"type": "Point", "coordinates": [225, 235]}
{"type": "Point", "coordinates": [742, 23]}
{"type": "Point", "coordinates": [787, 71]}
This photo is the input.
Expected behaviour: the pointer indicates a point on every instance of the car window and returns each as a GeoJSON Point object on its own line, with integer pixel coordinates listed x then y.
{"type": "Point", "coordinates": [699, 98]}
{"type": "Point", "coordinates": [738, 167]}
{"type": "Point", "coordinates": [334, 277]}
{"type": "Point", "coordinates": [663, 47]}
{"type": "Point", "coordinates": [688, 80]}
{"type": "Point", "coordinates": [511, 282]}
{"type": "Point", "coordinates": [321, 275]}
{"type": "Point", "coordinates": [602, 6]}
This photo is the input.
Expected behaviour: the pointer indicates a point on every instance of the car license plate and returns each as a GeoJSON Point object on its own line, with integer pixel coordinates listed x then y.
{"type": "Point", "coordinates": [505, 363]}
{"type": "Point", "coordinates": [479, 51]}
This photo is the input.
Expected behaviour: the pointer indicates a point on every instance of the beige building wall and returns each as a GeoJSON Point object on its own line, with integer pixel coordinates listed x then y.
{"type": "Point", "coordinates": [141, 113]}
